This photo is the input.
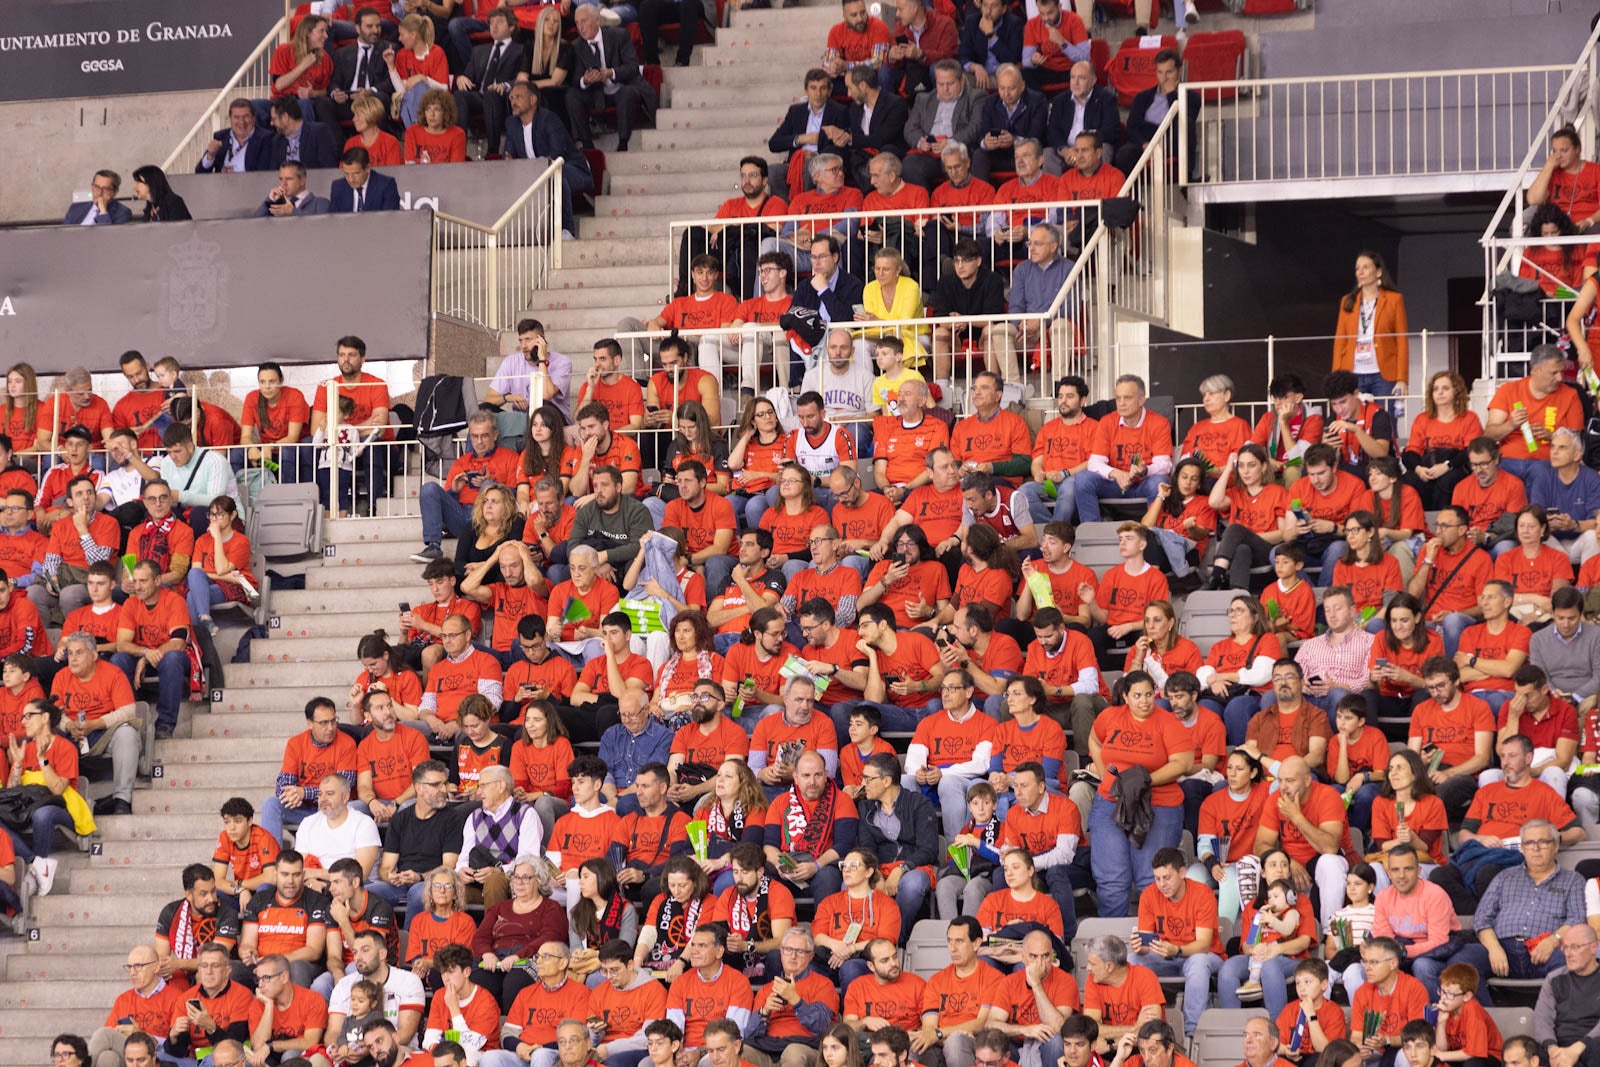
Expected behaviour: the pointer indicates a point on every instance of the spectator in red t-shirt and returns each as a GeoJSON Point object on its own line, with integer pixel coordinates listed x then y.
{"type": "Point", "coordinates": [151, 639]}
{"type": "Point", "coordinates": [1567, 181]}
{"type": "Point", "coordinates": [447, 506]}
{"type": "Point", "coordinates": [45, 751]}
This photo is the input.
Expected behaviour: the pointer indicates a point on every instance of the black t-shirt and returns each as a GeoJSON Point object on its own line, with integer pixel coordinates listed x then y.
{"type": "Point", "coordinates": [420, 844]}
{"type": "Point", "coordinates": [986, 297]}
{"type": "Point", "coordinates": [1577, 1001]}
{"type": "Point", "coordinates": [223, 926]}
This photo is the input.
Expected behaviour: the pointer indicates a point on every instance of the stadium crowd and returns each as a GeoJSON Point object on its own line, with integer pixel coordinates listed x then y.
{"type": "Point", "coordinates": [675, 756]}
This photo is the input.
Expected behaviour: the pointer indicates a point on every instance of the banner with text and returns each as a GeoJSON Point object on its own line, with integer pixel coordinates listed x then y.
{"type": "Point", "coordinates": [50, 51]}
{"type": "Point", "coordinates": [216, 294]}
{"type": "Point", "coordinates": [478, 192]}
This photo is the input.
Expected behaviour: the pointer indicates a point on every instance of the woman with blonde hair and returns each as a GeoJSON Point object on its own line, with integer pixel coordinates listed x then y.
{"type": "Point", "coordinates": [1436, 453]}
{"type": "Point", "coordinates": [304, 68]}
{"type": "Point", "coordinates": [437, 138]}
{"type": "Point", "coordinates": [551, 60]}
{"type": "Point", "coordinates": [22, 410]}
{"type": "Point", "coordinates": [734, 811]}
{"type": "Point", "coordinates": [415, 67]}
{"type": "Point", "coordinates": [892, 295]}
{"type": "Point", "coordinates": [383, 148]}
{"type": "Point", "coordinates": [442, 920]}
{"type": "Point", "coordinates": [495, 520]}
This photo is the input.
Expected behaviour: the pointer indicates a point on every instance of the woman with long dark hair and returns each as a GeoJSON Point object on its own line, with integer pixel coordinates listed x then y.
{"type": "Point", "coordinates": [1180, 520]}
{"type": "Point", "coordinates": [1398, 653]}
{"type": "Point", "coordinates": [274, 416]}
{"type": "Point", "coordinates": [989, 573]}
{"type": "Point", "coordinates": [684, 903]}
{"type": "Point", "coordinates": [754, 459]}
{"type": "Point", "coordinates": [696, 440]}
{"type": "Point", "coordinates": [1257, 509]}
{"type": "Point", "coordinates": [1401, 520]}
{"type": "Point", "coordinates": [1407, 811]}
{"type": "Point", "coordinates": [601, 914]}
{"type": "Point", "coordinates": [1370, 335]}
{"type": "Point", "coordinates": [1366, 568]}
{"type": "Point", "coordinates": [910, 581]}
{"type": "Point", "coordinates": [1228, 821]}
{"type": "Point", "coordinates": [161, 203]}
{"type": "Point", "coordinates": [1238, 669]}
{"type": "Point", "coordinates": [547, 442]}
{"type": "Point", "coordinates": [383, 667]}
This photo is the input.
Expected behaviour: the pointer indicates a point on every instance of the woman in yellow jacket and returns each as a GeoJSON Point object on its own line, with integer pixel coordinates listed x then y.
{"type": "Point", "coordinates": [893, 296]}
{"type": "Point", "coordinates": [1370, 339]}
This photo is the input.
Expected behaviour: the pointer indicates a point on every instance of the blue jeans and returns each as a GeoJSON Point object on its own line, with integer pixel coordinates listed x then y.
{"type": "Point", "coordinates": [1375, 384]}
{"type": "Point", "coordinates": [203, 594]}
{"type": "Point", "coordinates": [45, 821]}
{"type": "Point", "coordinates": [719, 569]}
{"type": "Point", "coordinates": [913, 890]}
{"type": "Point", "coordinates": [1196, 971]}
{"type": "Point", "coordinates": [1519, 965]}
{"type": "Point", "coordinates": [1451, 627]}
{"type": "Point", "coordinates": [1046, 510]}
{"type": "Point", "coordinates": [628, 13]}
{"type": "Point", "coordinates": [410, 896]}
{"type": "Point", "coordinates": [748, 508]}
{"type": "Point", "coordinates": [1276, 974]}
{"type": "Point", "coordinates": [172, 675]}
{"type": "Point", "coordinates": [896, 719]}
{"type": "Point", "coordinates": [1089, 488]}
{"type": "Point", "coordinates": [1122, 871]}
{"type": "Point", "coordinates": [1236, 714]}
{"type": "Point", "coordinates": [460, 31]}
{"type": "Point", "coordinates": [1495, 698]}
{"type": "Point", "coordinates": [1175, 548]}
{"type": "Point", "coordinates": [1326, 703]}
{"type": "Point", "coordinates": [443, 511]}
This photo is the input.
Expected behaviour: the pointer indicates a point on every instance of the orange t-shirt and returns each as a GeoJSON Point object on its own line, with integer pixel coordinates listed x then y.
{"type": "Point", "coordinates": [863, 523]}
{"type": "Point", "coordinates": [259, 853]}
{"type": "Point", "coordinates": [1216, 441]}
{"type": "Point", "coordinates": [1180, 921]}
{"type": "Point", "coordinates": [927, 579]}
{"type": "Point", "coordinates": [427, 933]}
{"type": "Point", "coordinates": [1223, 817]}
{"type": "Point", "coordinates": [904, 451]}
{"type": "Point", "coordinates": [390, 762]}
{"type": "Point", "coordinates": [743, 661]}
{"type": "Point", "coordinates": [1229, 655]}
{"type": "Point", "coordinates": [1369, 581]}
{"type": "Point", "coordinates": [622, 399]}
{"type": "Point", "coordinates": [1461, 594]}
{"type": "Point", "coordinates": [913, 660]}
{"type": "Point", "coordinates": [1472, 1031]}
{"type": "Point", "coordinates": [106, 690]}
{"type": "Point", "coordinates": [1479, 641]}
{"type": "Point", "coordinates": [725, 739]}
{"type": "Point", "coordinates": [1322, 805]}
{"type": "Point", "coordinates": [1016, 997]}
{"type": "Point", "coordinates": [480, 1011]}
{"type": "Point", "coordinates": [542, 770]}
{"type": "Point", "coordinates": [1406, 658]}
{"type": "Point", "coordinates": [761, 462]}
{"type": "Point", "coordinates": [1407, 1001]}
{"type": "Point", "coordinates": [451, 682]}
{"type": "Point", "coordinates": [1120, 1005]}
{"type": "Point", "coordinates": [1454, 731]}
{"type": "Point", "coordinates": [898, 1002]}
{"type": "Point", "coordinates": [993, 440]}
{"type": "Point", "coordinates": [538, 1011]}
{"type": "Point", "coordinates": [598, 678]}
{"type": "Point", "coordinates": [1486, 504]}
{"type": "Point", "coordinates": [1335, 505]}
{"type": "Point", "coordinates": [1002, 908]}
{"type": "Point", "coordinates": [1062, 667]}
{"type": "Point", "coordinates": [1260, 512]}
{"type": "Point", "coordinates": [939, 514]}
{"type": "Point", "coordinates": [773, 732]}
{"type": "Point", "coordinates": [1560, 408]}
{"type": "Point", "coordinates": [1123, 596]}
{"type": "Point", "coordinates": [306, 1011]}
{"type": "Point", "coordinates": [1120, 443]}
{"type": "Point", "coordinates": [1127, 742]}
{"type": "Point", "coordinates": [1537, 575]}
{"type": "Point", "coordinates": [1330, 1017]}
{"type": "Point", "coordinates": [555, 674]}
{"type": "Point", "coordinates": [1428, 434]}
{"type": "Point", "coordinates": [511, 604]}
{"type": "Point", "coordinates": [792, 533]}
{"type": "Point", "coordinates": [1063, 586]}
{"type": "Point", "coordinates": [310, 764]}
{"type": "Point", "coordinates": [1036, 34]}
{"type": "Point", "coordinates": [1063, 446]}
{"type": "Point", "coordinates": [1017, 745]}
{"type": "Point", "coordinates": [600, 600]}
{"type": "Point", "coordinates": [1305, 926]}
{"type": "Point", "coordinates": [1425, 816]}
{"type": "Point", "coordinates": [1500, 810]}
{"type": "Point", "coordinates": [990, 586]}
{"type": "Point", "coordinates": [877, 914]}
{"type": "Point", "coordinates": [577, 837]}
{"type": "Point", "coordinates": [700, 1000]}
{"type": "Point", "coordinates": [64, 541]}
{"type": "Point", "coordinates": [1369, 753]}
{"type": "Point", "coordinates": [700, 527]}
{"type": "Point", "coordinates": [956, 999]}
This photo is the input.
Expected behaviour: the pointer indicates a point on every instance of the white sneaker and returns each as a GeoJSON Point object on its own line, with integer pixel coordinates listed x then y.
{"type": "Point", "coordinates": [45, 871]}
{"type": "Point", "coordinates": [568, 235]}
{"type": "Point", "coordinates": [609, 17]}
{"type": "Point", "coordinates": [1191, 14]}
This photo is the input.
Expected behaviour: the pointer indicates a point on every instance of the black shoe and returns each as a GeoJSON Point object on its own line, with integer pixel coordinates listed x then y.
{"type": "Point", "coordinates": [681, 61]}
{"type": "Point", "coordinates": [622, 146]}
{"type": "Point", "coordinates": [163, 733]}
{"type": "Point", "coordinates": [1218, 579]}
{"type": "Point", "coordinates": [1187, 584]}
{"type": "Point", "coordinates": [112, 805]}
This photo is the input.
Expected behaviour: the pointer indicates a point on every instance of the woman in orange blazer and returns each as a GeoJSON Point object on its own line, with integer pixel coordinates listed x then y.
{"type": "Point", "coordinates": [1370, 338]}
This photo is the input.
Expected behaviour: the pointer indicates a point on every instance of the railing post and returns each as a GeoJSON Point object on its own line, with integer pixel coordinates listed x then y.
{"type": "Point", "coordinates": [1183, 138]}
{"type": "Point", "coordinates": [1106, 370]}
{"type": "Point", "coordinates": [1272, 357]}
{"type": "Point", "coordinates": [1424, 347]}
{"type": "Point", "coordinates": [492, 311]}
{"type": "Point", "coordinates": [557, 183]}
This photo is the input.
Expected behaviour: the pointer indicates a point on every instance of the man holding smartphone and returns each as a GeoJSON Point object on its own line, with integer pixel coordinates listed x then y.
{"type": "Point", "coordinates": [447, 506]}
{"type": "Point", "coordinates": [532, 372]}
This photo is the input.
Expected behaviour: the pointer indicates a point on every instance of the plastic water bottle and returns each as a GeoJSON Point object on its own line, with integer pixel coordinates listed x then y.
{"type": "Point", "coordinates": [83, 742]}
{"type": "Point", "coordinates": [1527, 431]}
{"type": "Point", "coordinates": [747, 689]}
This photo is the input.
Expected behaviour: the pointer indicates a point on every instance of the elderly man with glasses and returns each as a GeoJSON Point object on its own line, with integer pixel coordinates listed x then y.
{"type": "Point", "coordinates": [1526, 913]}
{"type": "Point", "coordinates": [149, 1005]}
{"type": "Point", "coordinates": [1566, 1018]}
{"type": "Point", "coordinates": [796, 1008]}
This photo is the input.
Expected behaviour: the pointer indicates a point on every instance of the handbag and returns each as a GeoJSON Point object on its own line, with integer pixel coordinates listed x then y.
{"type": "Point", "coordinates": [1239, 689]}
{"type": "Point", "coordinates": [19, 802]}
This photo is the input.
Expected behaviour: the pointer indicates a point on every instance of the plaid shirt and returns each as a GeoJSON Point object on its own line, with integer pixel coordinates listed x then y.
{"type": "Point", "coordinates": [1515, 907]}
{"type": "Point", "coordinates": [1342, 666]}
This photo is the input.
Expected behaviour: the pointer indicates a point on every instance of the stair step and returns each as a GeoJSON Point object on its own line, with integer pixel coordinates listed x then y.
{"type": "Point", "coordinates": [139, 854]}
{"type": "Point", "coordinates": [651, 228]}
{"type": "Point", "coordinates": [615, 297]}
{"type": "Point", "coordinates": [245, 774]}
{"type": "Point", "coordinates": [746, 113]}
{"type": "Point", "coordinates": [718, 72]}
{"type": "Point", "coordinates": [27, 1034]}
{"type": "Point", "coordinates": [178, 757]}
{"type": "Point", "coordinates": [602, 321]}
{"type": "Point", "coordinates": [274, 727]}
{"type": "Point", "coordinates": [302, 602]}
{"type": "Point", "coordinates": [711, 100]}
{"type": "Point", "coordinates": [197, 801]}
{"type": "Point", "coordinates": [324, 627]}
{"type": "Point", "coordinates": [336, 675]}
{"type": "Point", "coordinates": [101, 881]}
{"type": "Point", "coordinates": [160, 833]}
{"type": "Point", "coordinates": [576, 278]}
{"type": "Point", "coordinates": [362, 553]}
{"type": "Point", "coordinates": [683, 205]}
{"type": "Point", "coordinates": [83, 994]}
{"type": "Point", "coordinates": [750, 137]}
{"type": "Point", "coordinates": [397, 578]}
{"type": "Point", "coordinates": [721, 159]}
{"type": "Point", "coordinates": [305, 651]}
{"type": "Point", "coordinates": [599, 251]}
{"type": "Point", "coordinates": [370, 531]}
{"type": "Point", "coordinates": [21, 968]}
{"type": "Point", "coordinates": [65, 939]}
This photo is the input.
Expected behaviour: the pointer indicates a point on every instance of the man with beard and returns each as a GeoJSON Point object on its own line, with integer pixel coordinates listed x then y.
{"type": "Point", "coordinates": [370, 394]}
{"type": "Point", "coordinates": [611, 519]}
{"type": "Point", "coordinates": [195, 919]}
{"type": "Point", "coordinates": [733, 248]}
{"type": "Point", "coordinates": [757, 910]}
{"type": "Point", "coordinates": [706, 519]}
{"type": "Point", "coordinates": [354, 910]}
{"type": "Point", "coordinates": [384, 758]}
{"type": "Point", "coordinates": [403, 996]}
{"type": "Point", "coordinates": [809, 827]}
{"type": "Point", "coordinates": [140, 410]}
{"type": "Point", "coordinates": [859, 516]}
{"type": "Point", "coordinates": [385, 1049]}
{"type": "Point", "coordinates": [518, 595]}
{"type": "Point", "coordinates": [292, 921]}
{"type": "Point", "coordinates": [641, 844]}
{"type": "Point", "coordinates": [704, 742]}
{"type": "Point", "coordinates": [421, 837]}
{"type": "Point", "coordinates": [628, 1000]}
{"type": "Point", "coordinates": [888, 997]}
{"type": "Point", "coordinates": [1060, 452]}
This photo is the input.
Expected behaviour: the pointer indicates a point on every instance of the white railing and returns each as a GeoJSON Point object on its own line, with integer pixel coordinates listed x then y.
{"type": "Point", "coordinates": [1507, 344]}
{"type": "Point", "coordinates": [486, 275]}
{"type": "Point", "coordinates": [924, 236]}
{"type": "Point", "coordinates": [251, 81]}
{"type": "Point", "coordinates": [1358, 127]}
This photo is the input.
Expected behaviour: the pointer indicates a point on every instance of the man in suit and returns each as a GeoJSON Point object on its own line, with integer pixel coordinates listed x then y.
{"type": "Point", "coordinates": [1014, 113]}
{"type": "Point", "coordinates": [991, 38]}
{"type": "Point", "coordinates": [832, 292]}
{"type": "Point", "coordinates": [1084, 106]}
{"type": "Point", "coordinates": [362, 189]}
{"type": "Point", "coordinates": [243, 146]}
{"type": "Point", "coordinates": [606, 71]}
{"type": "Point", "coordinates": [359, 69]}
{"type": "Point", "coordinates": [534, 133]}
{"type": "Point", "coordinates": [102, 209]}
{"type": "Point", "coordinates": [290, 196]}
{"type": "Point", "coordinates": [310, 143]}
{"type": "Point", "coordinates": [483, 88]}
{"type": "Point", "coordinates": [950, 112]}
{"type": "Point", "coordinates": [877, 123]}
{"type": "Point", "coordinates": [816, 124]}
{"type": "Point", "coordinates": [1150, 107]}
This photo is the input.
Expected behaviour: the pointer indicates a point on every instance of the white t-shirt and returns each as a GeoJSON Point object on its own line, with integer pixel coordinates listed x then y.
{"type": "Point", "coordinates": [331, 844]}
{"type": "Point", "coordinates": [401, 992]}
{"type": "Point", "coordinates": [844, 396]}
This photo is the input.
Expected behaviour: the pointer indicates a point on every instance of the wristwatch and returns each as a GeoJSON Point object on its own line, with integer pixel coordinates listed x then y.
{"type": "Point", "coordinates": [1473, 661]}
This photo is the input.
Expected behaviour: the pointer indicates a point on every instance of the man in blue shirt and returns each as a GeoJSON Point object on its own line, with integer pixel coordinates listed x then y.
{"type": "Point", "coordinates": [1034, 286]}
{"type": "Point", "coordinates": [639, 739]}
{"type": "Point", "coordinates": [1570, 494]}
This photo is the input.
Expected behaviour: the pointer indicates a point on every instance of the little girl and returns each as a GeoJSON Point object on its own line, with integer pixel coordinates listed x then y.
{"type": "Point", "coordinates": [1345, 961]}
{"type": "Point", "coordinates": [366, 1008]}
{"type": "Point", "coordinates": [1280, 930]}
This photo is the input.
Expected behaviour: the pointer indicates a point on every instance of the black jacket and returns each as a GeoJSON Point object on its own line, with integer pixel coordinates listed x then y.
{"type": "Point", "coordinates": [888, 132]}
{"type": "Point", "coordinates": [918, 843]}
{"type": "Point", "coordinates": [620, 56]}
{"type": "Point", "coordinates": [257, 151]}
{"type": "Point", "coordinates": [842, 298]}
{"type": "Point", "coordinates": [1139, 130]}
{"type": "Point", "coordinates": [317, 147]}
{"type": "Point", "coordinates": [1028, 121]}
{"type": "Point", "coordinates": [511, 61]}
{"type": "Point", "coordinates": [794, 124]}
{"type": "Point", "coordinates": [377, 79]}
{"type": "Point", "coordinates": [975, 46]}
{"type": "Point", "coordinates": [1100, 115]}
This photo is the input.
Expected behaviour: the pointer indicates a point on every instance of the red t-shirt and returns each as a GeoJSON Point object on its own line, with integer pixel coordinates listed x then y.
{"type": "Point", "coordinates": [1322, 804]}
{"type": "Point", "coordinates": [1120, 1005]}
{"type": "Point", "coordinates": [1479, 641]}
{"type": "Point", "coordinates": [106, 690]}
{"type": "Point", "coordinates": [1454, 731]}
{"type": "Point", "coordinates": [1123, 596]}
{"type": "Point", "coordinates": [290, 408]}
{"type": "Point", "coordinates": [1127, 742]}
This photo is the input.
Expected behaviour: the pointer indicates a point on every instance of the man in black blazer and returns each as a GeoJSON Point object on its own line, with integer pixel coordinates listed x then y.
{"type": "Point", "coordinates": [606, 71]}
{"type": "Point", "coordinates": [310, 143]}
{"type": "Point", "coordinates": [991, 38]}
{"type": "Point", "coordinates": [1014, 113]}
{"type": "Point", "coordinates": [830, 287]}
{"type": "Point", "coordinates": [877, 123]}
{"type": "Point", "coordinates": [359, 69]}
{"type": "Point", "coordinates": [483, 87]}
{"type": "Point", "coordinates": [290, 196]}
{"type": "Point", "coordinates": [1084, 106]}
{"type": "Point", "coordinates": [103, 209]}
{"type": "Point", "coordinates": [816, 124]}
{"type": "Point", "coordinates": [1145, 115]}
{"type": "Point", "coordinates": [243, 146]}
{"type": "Point", "coordinates": [534, 133]}
{"type": "Point", "coordinates": [362, 189]}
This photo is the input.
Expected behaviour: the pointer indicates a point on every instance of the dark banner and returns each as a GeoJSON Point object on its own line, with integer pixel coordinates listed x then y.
{"type": "Point", "coordinates": [216, 294]}
{"type": "Point", "coordinates": [114, 47]}
{"type": "Point", "coordinates": [478, 192]}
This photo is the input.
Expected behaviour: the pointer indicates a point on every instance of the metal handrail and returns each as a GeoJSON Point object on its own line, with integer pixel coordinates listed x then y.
{"type": "Point", "coordinates": [529, 227]}
{"type": "Point", "coordinates": [205, 124]}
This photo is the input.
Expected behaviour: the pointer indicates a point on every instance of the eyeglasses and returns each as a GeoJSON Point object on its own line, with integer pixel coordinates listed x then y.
{"type": "Point", "coordinates": [1538, 842]}
{"type": "Point", "coordinates": [874, 778]}
{"type": "Point", "coordinates": [703, 698]}
{"type": "Point", "coordinates": [792, 950]}
{"type": "Point", "coordinates": [131, 967]}
{"type": "Point", "coordinates": [850, 865]}
{"type": "Point", "coordinates": [522, 878]}
{"type": "Point", "coordinates": [1481, 465]}
{"type": "Point", "coordinates": [454, 633]}
{"type": "Point", "coordinates": [821, 540]}
{"type": "Point", "coordinates": [33, 714]}
{"type": "Point", "coordinates": [269, 977]}
{"type": "Point", "coordinates": [324, 722]}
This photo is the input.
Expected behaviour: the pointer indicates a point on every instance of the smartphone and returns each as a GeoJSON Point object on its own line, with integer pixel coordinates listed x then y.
{"type": "Point", "coordinates": [1382, 663]}
{"type": "Point", "coordinates": [996, 132]}
{"type": "Point", "coordinates": [405, 605]}
{"type": "Point", "coordinates": [1317, 678]}
{"type": "Point", "coordinates": [1146, 938]}
{"type": "Point", "coordinates": [127, 1020]}
{"type": "Point", "coordinates": [193, 1003]}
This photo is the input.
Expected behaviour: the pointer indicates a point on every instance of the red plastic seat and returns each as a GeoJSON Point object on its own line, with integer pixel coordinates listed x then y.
{"type": "Point", "coordinates": [1215, 57]}
{"type": "Point", "coordinates": [1269, 7]}
{"type": "Point", "coordinates": [1100, 59]}
{"type": "Point", "coordinates": [1133, 68]}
